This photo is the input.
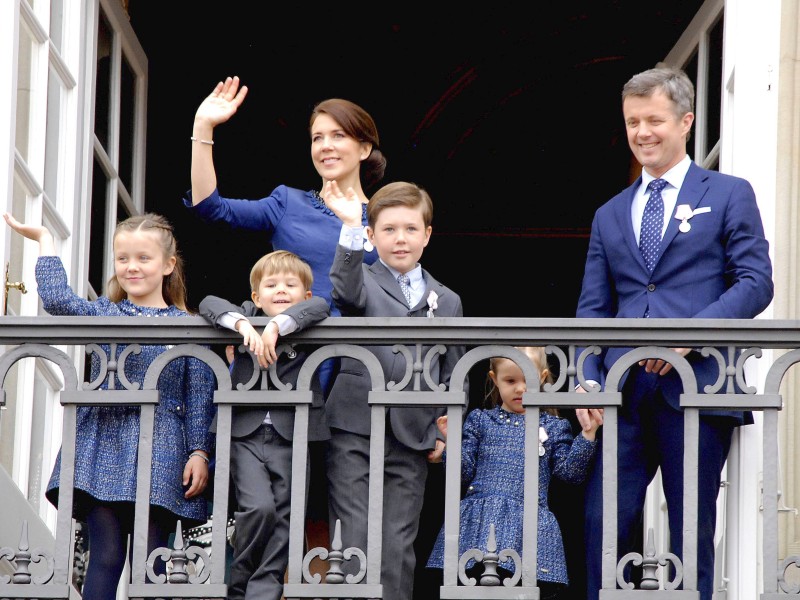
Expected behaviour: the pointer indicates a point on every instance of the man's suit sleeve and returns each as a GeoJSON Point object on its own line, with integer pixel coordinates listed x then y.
{"type": "Point", "coordinates": [597, 299]}
{"type": "Point", "coordinates": [748, 266]}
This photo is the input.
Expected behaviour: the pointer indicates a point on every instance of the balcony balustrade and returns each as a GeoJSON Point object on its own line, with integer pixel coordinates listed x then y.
{"type": "Point", "coordinates": [764, 350]}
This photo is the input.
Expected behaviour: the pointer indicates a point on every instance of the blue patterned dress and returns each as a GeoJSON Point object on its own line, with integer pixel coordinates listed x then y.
{"type": "Point", "coordinates": [492, 461]}
{"type": "Point", "coordinates": [107, 437]}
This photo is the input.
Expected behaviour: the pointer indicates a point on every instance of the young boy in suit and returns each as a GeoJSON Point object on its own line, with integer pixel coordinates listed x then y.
{"type": "Point", "coordinates": [261, 439]}
{"type": "Point", "coordinates": [399, 219]}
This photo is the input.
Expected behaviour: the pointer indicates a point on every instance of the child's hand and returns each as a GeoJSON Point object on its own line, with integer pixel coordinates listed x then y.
{"type": "Point", "coordinates": [347, 207]}
{"type": "Point", "coordinates": [441, 423]}
{"type": "Point", "coordinates": [269, 339]}
{"type": "Point", "coordinates": [250, 338]}
{"type": "Point", "coordinates": [32, 232]}
{"type": "Point", "coordinates": [590, 420]}
{"type": "Point", "coordinates": [195, 473]}
{"type": "Point", "coordinates": [435, 455]}
{"type": "Point", "coordinates": [37, 233]}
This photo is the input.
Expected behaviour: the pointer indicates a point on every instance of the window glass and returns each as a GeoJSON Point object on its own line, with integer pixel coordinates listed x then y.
{"type": "Point", "coordinates": [103, 92]}
{"type": "Point", "coordinates": [98, 247]}
{"type": "Point", "coordinates": [24, 98]}
{"type": "Point", "coordinates": [714, 104]}
{"type": "Point", "coordinates": [57, 23]}
{"type": "Point", "coordinates": [52, 138]}
{"type": "Point", "coordinates": [691, 70]}
{"type": "Point", "coordinates": [126, 125]}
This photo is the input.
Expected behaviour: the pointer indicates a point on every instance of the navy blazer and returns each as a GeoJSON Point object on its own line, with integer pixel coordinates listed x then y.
{"type": "Point", "coordinates": [372, 291]}
{"type": "Point", "coordinates": [246, 419]}
{"type": "Point", "coordinates": [719, 269]}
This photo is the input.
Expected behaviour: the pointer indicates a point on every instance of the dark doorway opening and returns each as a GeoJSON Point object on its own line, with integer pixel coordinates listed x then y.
{"type": "Point", "coordinates": [512, 122]}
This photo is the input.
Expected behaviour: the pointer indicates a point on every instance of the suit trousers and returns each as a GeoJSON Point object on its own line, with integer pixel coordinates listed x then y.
{"type": "Point", "coordinates": [405, 474]}
{"type": "Point", "coordinates": [650, 436]}
{"type": "Point", "coordinates": [261, 469]}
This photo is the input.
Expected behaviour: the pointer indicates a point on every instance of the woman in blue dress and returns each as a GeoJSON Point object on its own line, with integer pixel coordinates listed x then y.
{"type": "Point", "coordinates": [344, 148]}
{"type": "Point", "coordinates": [147, 282]}
{"type": "Point", "coordinates": [492, 467]}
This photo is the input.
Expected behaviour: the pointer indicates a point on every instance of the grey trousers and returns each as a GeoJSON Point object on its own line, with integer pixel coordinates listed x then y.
{"type": "Point", "coordinates": [405, 473]}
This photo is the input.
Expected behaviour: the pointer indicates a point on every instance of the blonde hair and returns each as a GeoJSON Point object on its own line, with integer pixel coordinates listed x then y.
{"type": "Point", "coordinates": [539, 359]}
{"type": "Point", "coordinates": [173, 286]}
{"type": "Point", "coordinates": [281, 261]}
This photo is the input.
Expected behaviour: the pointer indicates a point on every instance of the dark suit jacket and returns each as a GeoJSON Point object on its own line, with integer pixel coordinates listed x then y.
{"type": "Point", "coordinates": [245, 420]}
{"type": "Point", "coordinates": [719, 269]}
{"type": "Point", "coordinates": [371, 291]}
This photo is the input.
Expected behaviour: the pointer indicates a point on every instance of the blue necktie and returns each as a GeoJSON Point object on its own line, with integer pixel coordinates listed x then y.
{"type": "Point", "coordinates": [652, 224]}
{"type": "Point", "coordinates": [405, 282]}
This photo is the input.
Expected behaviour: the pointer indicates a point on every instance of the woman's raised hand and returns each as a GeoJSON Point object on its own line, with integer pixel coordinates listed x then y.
{"type": "Point", "coordinates": [221, 104]}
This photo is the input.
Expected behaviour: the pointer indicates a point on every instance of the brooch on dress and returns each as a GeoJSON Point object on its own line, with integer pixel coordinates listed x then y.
{"type": "Point", "coordinates": [542, 439]}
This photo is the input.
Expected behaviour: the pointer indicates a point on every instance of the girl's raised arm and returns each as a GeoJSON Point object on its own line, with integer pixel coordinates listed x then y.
{"type": "Point", "coordinates": [37, 233]}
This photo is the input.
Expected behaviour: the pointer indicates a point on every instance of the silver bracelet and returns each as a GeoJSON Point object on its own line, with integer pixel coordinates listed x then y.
{"type": "Point", "coordinates": [203, 456]}
{"type": "Point", "coordinates": [207, 142]}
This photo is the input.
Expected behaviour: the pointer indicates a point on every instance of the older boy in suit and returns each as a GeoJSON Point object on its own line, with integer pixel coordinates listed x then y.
{"type": "Point", "coordinates": [399, 219]}
{"type": "Point", "coordinates": [705, 256]}
{"type": "Point", "coordinates": [261, 444]}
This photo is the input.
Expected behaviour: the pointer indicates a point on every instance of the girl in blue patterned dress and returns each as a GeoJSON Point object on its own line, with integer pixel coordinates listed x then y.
{"type": "Point", "coordinates": [148, 282]}
{"type": "Point", "coordinates": [492, 467]}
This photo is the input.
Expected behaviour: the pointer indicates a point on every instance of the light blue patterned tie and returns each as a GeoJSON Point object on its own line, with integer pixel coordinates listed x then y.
{"type": "Point", "coordinates": [405, 282]}
{"type": "Point", "coordinates": [652, 224]}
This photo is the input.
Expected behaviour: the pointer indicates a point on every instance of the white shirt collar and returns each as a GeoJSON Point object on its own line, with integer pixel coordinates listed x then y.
{"type": "Point", "coordinates": [674, 176]}
{"type": "Point", "coordinates": [414, 275]}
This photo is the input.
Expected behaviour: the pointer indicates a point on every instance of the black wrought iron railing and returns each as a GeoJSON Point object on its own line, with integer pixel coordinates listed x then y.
{"type": "Point", "coordinates": [754, 357]}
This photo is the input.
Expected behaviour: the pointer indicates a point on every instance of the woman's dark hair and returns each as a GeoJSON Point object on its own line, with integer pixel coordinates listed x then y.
{"type": "Point", "coordinates": [358, 124]}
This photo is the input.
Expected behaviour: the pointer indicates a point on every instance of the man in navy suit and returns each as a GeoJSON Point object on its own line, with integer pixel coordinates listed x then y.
{"type": "Point", "coordinates": [712, 262]}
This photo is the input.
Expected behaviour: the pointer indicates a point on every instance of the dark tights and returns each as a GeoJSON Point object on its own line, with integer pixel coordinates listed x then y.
{"type": "Point", "coordinates": [109, 525]}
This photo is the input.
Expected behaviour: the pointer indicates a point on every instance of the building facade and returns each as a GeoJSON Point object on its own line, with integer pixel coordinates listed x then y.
{"type": "Point", "coordinates": [72, 156]}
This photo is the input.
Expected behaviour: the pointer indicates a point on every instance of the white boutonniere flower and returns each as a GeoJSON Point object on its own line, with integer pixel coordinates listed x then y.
{"type": "Point", "coordinates": [542, 439]}
{"type": "Point", "coordinates": [432, 305]}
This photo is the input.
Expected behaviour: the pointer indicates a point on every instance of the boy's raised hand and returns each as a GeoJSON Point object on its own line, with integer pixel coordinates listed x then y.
{"type": "Point", "coordinates": [348, 207]}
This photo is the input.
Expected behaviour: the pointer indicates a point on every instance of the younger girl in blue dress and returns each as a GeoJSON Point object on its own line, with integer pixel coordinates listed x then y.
{"type": "Point", "coordinates": [492, 466]}
{"type": "Point", "coordinates": [147, 282]}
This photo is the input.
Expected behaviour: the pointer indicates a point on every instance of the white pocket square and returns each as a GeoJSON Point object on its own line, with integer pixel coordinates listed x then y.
{"type": "Point", "coordinates": [684, 211]}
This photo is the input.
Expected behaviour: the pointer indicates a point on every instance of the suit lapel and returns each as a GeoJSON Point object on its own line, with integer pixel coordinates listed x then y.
{"type": "Point", "coordinates": [431, 285]}
{"type": "Point", "coordinates": [622, 214]}
{"type": "Point", "coordinates": [385, 279]}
